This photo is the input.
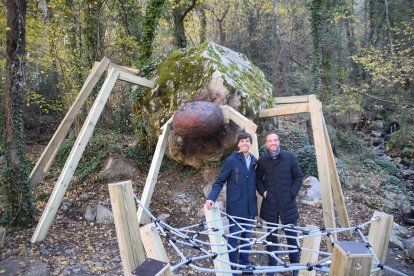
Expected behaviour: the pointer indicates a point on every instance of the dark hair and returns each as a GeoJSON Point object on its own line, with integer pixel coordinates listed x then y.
{"type": "Point", "coordinates": [244, 135]}
{"type": "Point", "coordinates": [270, 133]}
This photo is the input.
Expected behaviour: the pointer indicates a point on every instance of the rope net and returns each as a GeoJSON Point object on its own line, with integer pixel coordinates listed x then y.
{"type": "Point", "coordinates": [195, 238]}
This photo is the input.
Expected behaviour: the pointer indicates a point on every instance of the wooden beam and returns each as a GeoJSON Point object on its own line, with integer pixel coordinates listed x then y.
{"type": "Point", "coordinates": [120, 68]}
{"type": "Point", "coordinates": [237, 118]}
{"type": "Point", "coordinates": [312, 243]}
{"type": "Point", "coordinates": [315, 108]}
{"type": "Point", "coordinates": [226, 113]}
{"type": "Point", "coordinates": [350, 258]}
{"type": "Point", "coordinates": [153, 173]}
{"type": "Point", "coordinates": [126, 225]}
{"type": "Point", "coordinates": [153, 245]}
{"type": "Point", "coordinates": [125, 76]}
{"type": "Point", "coordinates": [379, 235]}
{"type": "Point", "coordinates": [285, 109]}
{"type": "Point", "coordinates": [42, 166]}
{"type": "Point", "coordinates": [291, 99]}
{"type": "Point", "coordinates": [338, 196]}
{"type": "Point", "coordinates": [72, 162]}
{"type": "Point", "coordinates": [213, 219]}
{"type": "Point", "coordinates": [251, 129]}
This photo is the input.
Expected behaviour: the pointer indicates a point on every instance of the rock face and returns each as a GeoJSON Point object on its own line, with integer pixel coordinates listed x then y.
{"type": "Point", "coordinates": [197, 120]}
{"type": "Point", "coordinates": [209, 73]}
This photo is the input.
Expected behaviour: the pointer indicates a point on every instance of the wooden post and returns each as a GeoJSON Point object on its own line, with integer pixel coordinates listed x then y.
{"type": "Point", "coordinates": [313, 243]}
{"type": "Point", "coordinates": [213, 219]}
{"type": "Point", "coordinates": [350, 258]}
{"type": "Point", "coordinates": [226, 114]}
{"type": "Point", "coordinates": [72, 162]}
{"type": "Point", "coordinates": [153, 245]}
{"type": "Point", "coordinates": [153, 172]}
{"type": "Point", "coordinates": [339, 199]}
{"type": "Point", "coordinates": [42, 166]}
{"type": "Point", "coordinates": [379, 235]}
{"type": "Point", "coordinates": [126, 225]}
{"type": "Point", "coordinates": [315, 109]}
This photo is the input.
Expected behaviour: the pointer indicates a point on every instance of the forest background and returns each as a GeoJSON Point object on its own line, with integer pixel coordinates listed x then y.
{"type": "Point", "coordinates": [356, 56]}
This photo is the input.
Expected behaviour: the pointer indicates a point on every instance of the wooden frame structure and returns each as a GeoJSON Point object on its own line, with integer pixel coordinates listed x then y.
{"type": "Point", "coordinates": [331, 190]}
{"type": "Point", "coordinates": [38, 173]}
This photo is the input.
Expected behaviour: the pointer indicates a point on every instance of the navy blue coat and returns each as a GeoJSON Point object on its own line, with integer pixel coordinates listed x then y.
{"type": "Point", "coordinates": [282, 179]}
{"type": "Point", "coordinates": [241, 198]}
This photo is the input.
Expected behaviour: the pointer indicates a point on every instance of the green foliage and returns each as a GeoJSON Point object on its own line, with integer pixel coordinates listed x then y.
{"type": "Point", "coordinates": [140, 155]}
{"type": "Point", "coordinates": [307, 161]}
{"type": "Point", "coordinates": [393, 184]}
{"type": "Point", "coordinates": [389, 167]}
{"type": "Point", "coordinates": [171, 166]}
{"type": "Point", "coordinates": [100, 146]}
{"type": "Point", "coordinates": [349, 142]}
{"type": "Point", "coordinates": [292, 138]}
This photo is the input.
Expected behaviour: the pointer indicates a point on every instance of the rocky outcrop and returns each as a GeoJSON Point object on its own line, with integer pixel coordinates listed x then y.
{"type": "Point", "coordinates": [209, 73]}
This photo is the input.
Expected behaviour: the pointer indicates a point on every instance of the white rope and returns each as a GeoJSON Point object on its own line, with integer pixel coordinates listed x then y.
{"type": "Point", "coordinates": [188, 237]}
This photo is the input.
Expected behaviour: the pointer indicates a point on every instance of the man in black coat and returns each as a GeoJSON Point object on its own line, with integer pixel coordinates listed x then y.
{"type": "Point", "coordinates": [278, 181]}
{"type": "Point", "coordinates": [240, 175]}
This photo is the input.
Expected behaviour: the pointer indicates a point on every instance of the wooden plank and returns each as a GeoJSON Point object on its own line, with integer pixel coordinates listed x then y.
{"type": "Point", "coordinates": [315, 109]}
{"type": "Point", "coordinates": [72, 162]}
{"type": "Point", "coordinates": [213, 219]}
{"type": "Point", "coordinates": [251, 129]}
{"type": "Point", "coordinates": [153, 245]}
{"type": "Point", "coordinates": [338, 196]}
{"type": "Point", "coordinates": [291, 99]}
{"type": "Point", "coordinates": [120, 68]}
{"type": "Point", "coordinates": [39, 171]}
{"type": "Point", "coordinates": [350, 258]}
{"type": "Point", "coordinates": [153, 174]}
{"type": "Point", "coordinates": [285, 109]}
{"type": "Point", "coordinates": [379, 235]}
{"type": "Point", "coordinates": [169, 122]}
{"type": "Point", "coordinates": [124, 76]}
{"type": "Point", "coordinates": [226, 113]}
{"type": "Point", "coordinates": [237, 118]}
{"type": "Point", "coordinates": [312, 243]}
{"type": "Point", "coordinates": [126, 225]}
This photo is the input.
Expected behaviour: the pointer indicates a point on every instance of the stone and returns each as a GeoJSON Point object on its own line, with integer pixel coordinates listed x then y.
{"type": "Point", "coordinates": [103, 215]}
{"type": "Point", "coordinates": [90, 213]}
{"type": "Point", "coordinates": [197, 120]}
{"type": "Point", "coordinates": [411, 252]}
{"type": "Point", "coordinates": [310, 193]}
{"type": "Point", "coordinates": [117, 168]}
{"type": "Point", "coordinates": [23, 266]}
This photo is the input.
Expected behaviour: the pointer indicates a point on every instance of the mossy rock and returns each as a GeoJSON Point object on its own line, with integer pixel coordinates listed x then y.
{"type": "Point", "coordinates": [209, 72]}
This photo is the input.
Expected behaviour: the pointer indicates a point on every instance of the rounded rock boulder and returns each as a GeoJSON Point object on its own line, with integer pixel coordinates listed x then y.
{"type": "Point", "coordinates": [197, 120]}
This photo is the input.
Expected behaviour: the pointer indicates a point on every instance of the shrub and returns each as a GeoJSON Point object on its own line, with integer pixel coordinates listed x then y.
{"type": "Point", "coordinates": [392, 183]}
{"type": "Point", "coordinates": [307, 161]}
{"type": "Point", "coordinates": [387, 166]}
{"type": "Point", "coordinates": [349, 143]}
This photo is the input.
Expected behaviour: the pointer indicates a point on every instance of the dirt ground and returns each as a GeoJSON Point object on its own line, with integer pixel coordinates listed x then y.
{"type": "Point", "coordinates": [75, 246]}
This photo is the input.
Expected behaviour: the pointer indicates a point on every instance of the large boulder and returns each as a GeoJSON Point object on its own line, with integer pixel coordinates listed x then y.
{"type": "Point", "coordinates": [210, 73]}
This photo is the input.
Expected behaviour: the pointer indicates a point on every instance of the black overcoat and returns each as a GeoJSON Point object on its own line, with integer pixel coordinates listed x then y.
{"type": "Point", "coordinates": [241, 200]}
{"type": "Point", "coordinates": [282, 179]}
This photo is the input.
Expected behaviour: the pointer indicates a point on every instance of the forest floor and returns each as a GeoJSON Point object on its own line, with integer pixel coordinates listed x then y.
{"type": "Point", "coordinates": [75, 246]}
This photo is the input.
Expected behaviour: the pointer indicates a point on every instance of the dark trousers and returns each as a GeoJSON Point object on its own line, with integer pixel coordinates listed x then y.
{"type": "Point", "coordinates": [236, 257]}
{"type": "Point", "coordinates": [293, 257]}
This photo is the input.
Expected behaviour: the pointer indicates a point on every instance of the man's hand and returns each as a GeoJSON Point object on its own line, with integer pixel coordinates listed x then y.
{"type": "Point", "coordinates": [265, 194]}
{"type": "Point", "coordinates": [209, 204]}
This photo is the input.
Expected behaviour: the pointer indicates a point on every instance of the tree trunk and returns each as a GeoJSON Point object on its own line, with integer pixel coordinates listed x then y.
{"type": "Point", "coordinates": [15, 180]}
{"type": "Point", "coordinates": [316, 30]}
{"type": "Point", "coordinates": [179, 13]}
{"type": "Point", "coordinates": [149, 27]}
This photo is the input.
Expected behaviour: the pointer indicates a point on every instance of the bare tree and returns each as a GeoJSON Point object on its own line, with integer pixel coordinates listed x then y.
{"type": "Point", "coordinates": [15, 180]}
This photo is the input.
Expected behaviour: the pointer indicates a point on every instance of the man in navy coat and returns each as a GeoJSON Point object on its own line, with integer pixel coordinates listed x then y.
{"type": "Point", "coordinates": [278, 181]}
{"type": "Point", "coordinates": [239, 173]}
